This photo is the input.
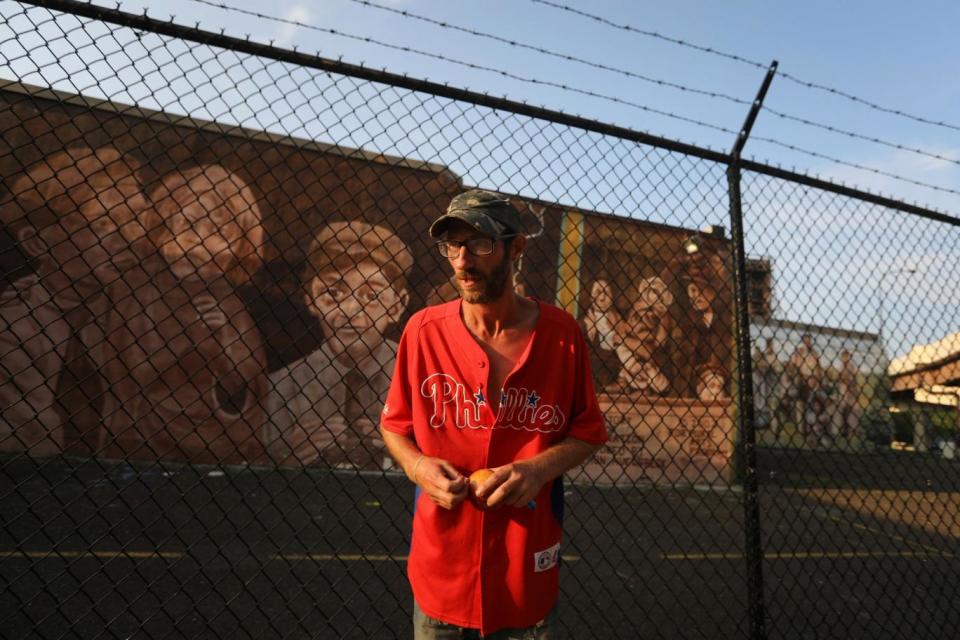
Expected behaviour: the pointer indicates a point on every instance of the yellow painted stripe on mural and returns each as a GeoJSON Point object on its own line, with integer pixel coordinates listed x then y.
{"type": "Point", "coordinates": [568, 268]}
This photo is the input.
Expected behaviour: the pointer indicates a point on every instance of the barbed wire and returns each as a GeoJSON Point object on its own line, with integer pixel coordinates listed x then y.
{"type": "Point", "coordinates": [564, 87]}
{"type": "Point", "coordinates": [710, 50]}
{"type": "Point", "coordinates": [555, 54]}
{"type": "Point", "coordinates": [881, 172]}
{"type": "Point", "coordinates": [585, 92]}
{"type": "Point", "coordinates": [666, 83]}
{"type": "Point", "coordinates": [472, 65]}
{"type": "Point", "coordinates": [860, 136]}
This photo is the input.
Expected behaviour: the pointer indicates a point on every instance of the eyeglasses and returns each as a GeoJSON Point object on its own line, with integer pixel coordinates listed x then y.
{"type": "Point", "coordinates": [482, 246]}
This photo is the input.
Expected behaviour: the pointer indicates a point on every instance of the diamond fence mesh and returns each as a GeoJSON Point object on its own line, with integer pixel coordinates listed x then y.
{"type": "Point", "coordinates": [209, 250]}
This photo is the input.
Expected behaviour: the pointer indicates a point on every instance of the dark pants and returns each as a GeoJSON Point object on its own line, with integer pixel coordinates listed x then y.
{"type": "Point", "coordinates": [427, 628]}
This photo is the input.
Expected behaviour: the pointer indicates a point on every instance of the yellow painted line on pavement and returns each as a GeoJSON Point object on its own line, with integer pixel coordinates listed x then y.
{"type": "Point", "coordinates": [893, 536]}
{"type": "Point", "coordinates": [53, 554]}
{"type": "Point", "coordinates": [346, 557]}
{"type": "Point", "coordinates": [806, 555]}
{"type": "Point", "coordinates": [357, 557]}
{"type": "Point", "coordinates": [173, 555]}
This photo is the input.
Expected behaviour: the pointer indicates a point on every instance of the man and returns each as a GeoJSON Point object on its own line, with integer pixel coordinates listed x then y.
{"type": "Point", "coordinates": [323, 407]}
{"type": "Point", "coordinates": [493, 381]}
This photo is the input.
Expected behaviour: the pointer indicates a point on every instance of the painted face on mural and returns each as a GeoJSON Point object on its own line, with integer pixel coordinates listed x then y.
{"type": "Point", "coordinates": [84, 208]}
{"type": "Point", "coordinates": [711, 386]}
{"type": "Point", "coordinates": [701, 296]}
{"type": "Point", "coordinates": [355, 306]}
{"type": "Point", "coordinates": [211, 221]}
{"type": "Point", "coordinates": [651, 306]}
{"type": "Point", "coordinates": [601, 295]}
{"type": "Point", "coordinates": [480, 279]}
{"type": "Point", "coordinates": [101, 233]}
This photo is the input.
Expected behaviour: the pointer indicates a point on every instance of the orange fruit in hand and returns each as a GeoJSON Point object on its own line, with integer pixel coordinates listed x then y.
{"type": "Point", "coordinates": [475, 480]}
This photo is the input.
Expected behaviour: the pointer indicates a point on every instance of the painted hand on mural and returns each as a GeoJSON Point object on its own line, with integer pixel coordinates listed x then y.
{"type": "Point", "coordinates": [602, 319]}
{"type": "Point", "coordinates": [208, 310]}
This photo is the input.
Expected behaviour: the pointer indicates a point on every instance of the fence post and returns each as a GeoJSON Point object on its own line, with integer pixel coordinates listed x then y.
{"type": "Point", "coordinates": [756, 611]}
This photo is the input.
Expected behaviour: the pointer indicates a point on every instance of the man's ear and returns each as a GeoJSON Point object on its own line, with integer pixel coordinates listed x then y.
{"type": "Point", "coordinates": [518, 246]}
{"type": "Point", "coordinates": [31, 242]}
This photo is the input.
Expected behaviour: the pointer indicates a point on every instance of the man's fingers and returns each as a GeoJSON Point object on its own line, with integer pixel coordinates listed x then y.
{"type": "Point", "coordinates": [448, 470]}
{"type": "Point", "coordinates": [494, 487]}
{"type": "Point", "coordinates": [458, 486]}
{"type": "Point", "coordinates": [500, 475]}
{"type": "Point", "coordinates": [501, 494]}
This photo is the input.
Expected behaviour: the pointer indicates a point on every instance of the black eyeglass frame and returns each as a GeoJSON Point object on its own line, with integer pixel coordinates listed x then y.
{"type": "Point", "coordinates": [443, 246]}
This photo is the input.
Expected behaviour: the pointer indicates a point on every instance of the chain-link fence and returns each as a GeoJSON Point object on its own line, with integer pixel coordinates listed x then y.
{"type": "Point", "coordinates": [210, 247]}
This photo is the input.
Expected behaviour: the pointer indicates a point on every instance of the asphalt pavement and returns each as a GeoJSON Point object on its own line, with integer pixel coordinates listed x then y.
{"type": "Point", "coordinates": [854, 546]}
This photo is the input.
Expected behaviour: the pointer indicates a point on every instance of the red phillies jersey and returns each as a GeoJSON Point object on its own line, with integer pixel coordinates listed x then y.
{"type": "Point", "coordinates": [498, 568]}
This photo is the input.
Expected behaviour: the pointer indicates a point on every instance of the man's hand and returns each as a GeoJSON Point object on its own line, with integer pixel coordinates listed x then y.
{"type": "Point", "coordinates": [440, 481]}
{"type": "Point", "coordinates": [514, 484]}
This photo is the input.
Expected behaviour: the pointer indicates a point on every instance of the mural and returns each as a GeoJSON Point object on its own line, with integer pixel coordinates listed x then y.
{"type": "Point", "coordinates": [657, 317]}
{"type": "Point", "coordinates": [174, 292]}
{"type": "Point", "coordinates": [815, 386]}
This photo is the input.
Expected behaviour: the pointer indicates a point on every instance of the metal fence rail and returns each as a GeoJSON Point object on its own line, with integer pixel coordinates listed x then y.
{"type": "Point", "coordinates": [210, 246]}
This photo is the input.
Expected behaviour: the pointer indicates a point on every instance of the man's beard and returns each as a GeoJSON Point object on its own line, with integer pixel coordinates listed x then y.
{"type": "Point", "coordinates": [493, 285]}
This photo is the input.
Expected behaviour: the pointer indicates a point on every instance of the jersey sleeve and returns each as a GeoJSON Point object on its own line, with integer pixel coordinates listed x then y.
{"type": "Point", "coordinates": [397, 414]}
{"type": "Point", "coordinates": [586, 421]}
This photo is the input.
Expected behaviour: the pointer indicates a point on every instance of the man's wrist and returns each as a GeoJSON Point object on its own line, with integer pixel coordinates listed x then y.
{"type": "Point", "coordinates": [416, 465]}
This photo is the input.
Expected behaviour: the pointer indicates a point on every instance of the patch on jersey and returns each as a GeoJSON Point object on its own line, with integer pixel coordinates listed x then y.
{"type": "Point", "coordinates": [546, 559]}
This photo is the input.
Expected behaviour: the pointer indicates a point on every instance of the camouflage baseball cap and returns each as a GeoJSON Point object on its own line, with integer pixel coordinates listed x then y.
{"type": "Point", "coordinates": [489, 213]}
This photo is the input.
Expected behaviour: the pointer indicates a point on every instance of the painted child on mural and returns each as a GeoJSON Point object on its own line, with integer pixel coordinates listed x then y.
{"type": "Point", "coordinates": [848, 395]}
{"type": "Point", "coordinates": [189, 376]}
{"type": "Point", "coordinates": [600, 322]}
{"type": "Point", "coordinates": [76, 214]}
{"type": "Point", "coordinates": [817, 414]}
{"type": "Point", "coordinates": [803, 366]}
{"type": "Point", "coordinates": [325, 407]}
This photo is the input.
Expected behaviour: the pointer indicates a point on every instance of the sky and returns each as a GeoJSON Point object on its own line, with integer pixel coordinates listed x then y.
{"type": "Point", "coordinates": [837, 262]}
